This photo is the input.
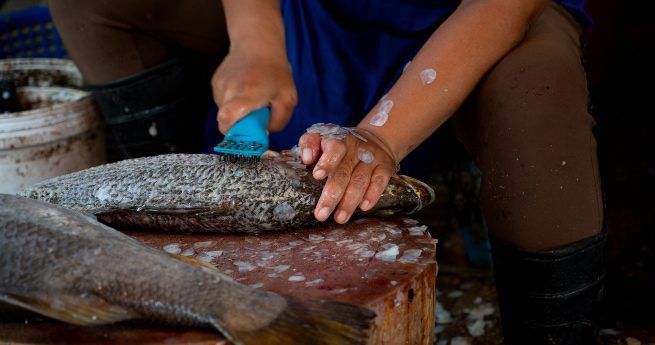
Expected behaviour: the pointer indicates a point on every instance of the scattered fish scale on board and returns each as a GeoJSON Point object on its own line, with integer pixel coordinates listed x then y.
{"type": "Point", "coordinates": [65, 265]}
{"type": "Point", "coordinates": [196, 192]}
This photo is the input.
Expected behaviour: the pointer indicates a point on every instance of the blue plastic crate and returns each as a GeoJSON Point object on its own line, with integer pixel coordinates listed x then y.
{"type": "Point", "coordinates": [29, 33]}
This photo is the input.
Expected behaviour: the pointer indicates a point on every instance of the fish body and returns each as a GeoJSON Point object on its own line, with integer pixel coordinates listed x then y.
{"type": "Point", "coordinates": [196, 192]}
{"type": "Point", "coordinates": [67, 266]}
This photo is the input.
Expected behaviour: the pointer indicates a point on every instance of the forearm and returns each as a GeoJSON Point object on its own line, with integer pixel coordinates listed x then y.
{"type": "Point", "coordinates": [256, 27]}
{"type": "Point", "coordinates": [461, 51]}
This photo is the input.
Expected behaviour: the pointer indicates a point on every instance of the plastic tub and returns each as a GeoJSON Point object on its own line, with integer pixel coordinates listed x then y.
{"type": "Point", "coordinates": [61, 134]}
{"type": "Point", "coordinates": [41, 72]}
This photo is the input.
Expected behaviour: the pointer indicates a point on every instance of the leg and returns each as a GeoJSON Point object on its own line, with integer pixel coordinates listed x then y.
{"type": "Point", "coordinates": [114, 39]}
{"type": "Point", "coordinates": [528, 129]}
{"type": "Point", "coordinates": [152, 104]}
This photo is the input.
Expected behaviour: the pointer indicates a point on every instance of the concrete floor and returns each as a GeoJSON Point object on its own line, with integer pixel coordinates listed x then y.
{"type": "Point", "coordinates": [469, 309]}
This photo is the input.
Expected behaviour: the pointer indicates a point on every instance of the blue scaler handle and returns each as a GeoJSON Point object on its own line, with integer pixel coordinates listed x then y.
{"type": "Point", "coordinates": [250, 130]}
{"type": "Point", "coordinates": [251, 127]}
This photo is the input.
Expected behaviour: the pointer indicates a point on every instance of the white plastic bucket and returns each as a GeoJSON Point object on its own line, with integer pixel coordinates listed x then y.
{"type": "Point", "coordinates": [64, 134]}
{"type": "Point", "coordinates": [41, 72]}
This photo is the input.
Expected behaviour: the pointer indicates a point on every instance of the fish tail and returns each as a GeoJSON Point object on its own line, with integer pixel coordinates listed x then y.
{"type": "Point", "coordinates": [313, 322]}
{"type": "Point", "coordinates": [424, 193]}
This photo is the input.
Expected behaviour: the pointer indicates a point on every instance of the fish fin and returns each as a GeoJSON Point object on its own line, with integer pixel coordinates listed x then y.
{"type": "Point", "coordinates": [310, 322]}
{"type": "Point", "coordinates": [193, 261]}
{"type": "Point", "coordinates": [84, 311]}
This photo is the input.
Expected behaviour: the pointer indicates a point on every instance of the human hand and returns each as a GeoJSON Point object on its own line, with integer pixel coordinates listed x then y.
{"type": "Point", "coordinates": [357, 164]}
{"type": "Point", "coordinates": [245, 82]}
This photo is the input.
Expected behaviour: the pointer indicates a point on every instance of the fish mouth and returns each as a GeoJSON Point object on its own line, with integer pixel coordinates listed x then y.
{"type": "Point", "coordinates": [424, 192]}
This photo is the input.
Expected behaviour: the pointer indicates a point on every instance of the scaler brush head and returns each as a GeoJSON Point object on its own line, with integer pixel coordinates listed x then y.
{"type": "Point", "coordinates": [247, 140]}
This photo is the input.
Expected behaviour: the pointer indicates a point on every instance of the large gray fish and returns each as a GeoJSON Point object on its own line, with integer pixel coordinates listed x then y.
{"type": "Point", "coordinates": [67, 266]}
{"type": "Point", "coordinates": [195, 192]}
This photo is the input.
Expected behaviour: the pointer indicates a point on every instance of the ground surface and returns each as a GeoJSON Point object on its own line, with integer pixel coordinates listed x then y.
{"type": "Point", "coordinates": [466, 294]}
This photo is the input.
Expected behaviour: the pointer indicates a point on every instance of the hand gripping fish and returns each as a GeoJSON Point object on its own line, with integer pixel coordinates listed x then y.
{"type": "Point", "coordinates": [195, 192]}
{"type": "Point", "coordinates": [67, 266]}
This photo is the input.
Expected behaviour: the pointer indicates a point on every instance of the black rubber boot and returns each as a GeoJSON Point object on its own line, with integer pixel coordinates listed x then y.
{"type": "Point", "coordinates": [550, 297]}
{"type": "Point", "coordinates": [160, 110]}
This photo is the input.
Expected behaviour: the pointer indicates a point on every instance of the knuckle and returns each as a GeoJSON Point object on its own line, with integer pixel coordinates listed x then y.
{"type": "Point", "coordinates": [378, 182]}
{"type": "Point", "coordinates": [330, 197]}
{"type": "Point", "coordinates": [250, 84]}
{"type": "Point", "coordinates": [292, 99]}
{"type": "Point", "coordinates": [341, 175]}
{"type": "Point", "coordinates": [359, 181]}
{"type": "Point", "coordinates": [337, 147]}
{"type": "Point", "coordinates": [224, 114]}
{"type": "Point", "coordinates": [304, 140]}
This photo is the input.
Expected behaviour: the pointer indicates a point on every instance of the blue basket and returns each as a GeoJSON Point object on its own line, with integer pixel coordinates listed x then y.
{"type": "Point", "coordinates": [29, 33]}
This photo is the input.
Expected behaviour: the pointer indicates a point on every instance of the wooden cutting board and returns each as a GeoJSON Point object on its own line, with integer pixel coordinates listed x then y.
{"type": "Point", "coordinates": [386, 265]}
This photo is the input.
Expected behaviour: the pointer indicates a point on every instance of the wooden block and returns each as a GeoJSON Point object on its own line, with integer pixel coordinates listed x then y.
{"type": "Point", "coordinates": [385, 265]}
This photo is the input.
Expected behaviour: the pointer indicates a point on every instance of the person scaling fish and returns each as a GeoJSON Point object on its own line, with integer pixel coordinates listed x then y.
{"type": "Point", "coordinates": [372, 81]}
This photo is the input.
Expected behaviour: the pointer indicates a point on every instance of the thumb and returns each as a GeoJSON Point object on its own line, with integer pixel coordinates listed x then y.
{"type": "Point", "coordinates": [233, 111]}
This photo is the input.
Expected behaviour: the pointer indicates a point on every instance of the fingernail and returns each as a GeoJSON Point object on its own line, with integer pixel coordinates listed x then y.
{"type": "Point", "coordinates": [342, 217]}
{"type": "Point", "coordinates": [365, 205]}
{"type": "Point", "coordinates": [319, 174]}
{"type": "Point", "coordinates": [324, 213]}
{"type": "Point", "coordinates": [306, 155]}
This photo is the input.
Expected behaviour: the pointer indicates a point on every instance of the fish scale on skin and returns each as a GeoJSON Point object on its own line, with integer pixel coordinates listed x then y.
{"type": "Point", "coordinates": [67, 266]}
{"type": "Point", "coordinates": [195, 192]}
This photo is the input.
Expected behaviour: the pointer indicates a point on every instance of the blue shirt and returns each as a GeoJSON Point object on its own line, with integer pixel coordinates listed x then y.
{"type": "Point", "coordinates": [345, 54]}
